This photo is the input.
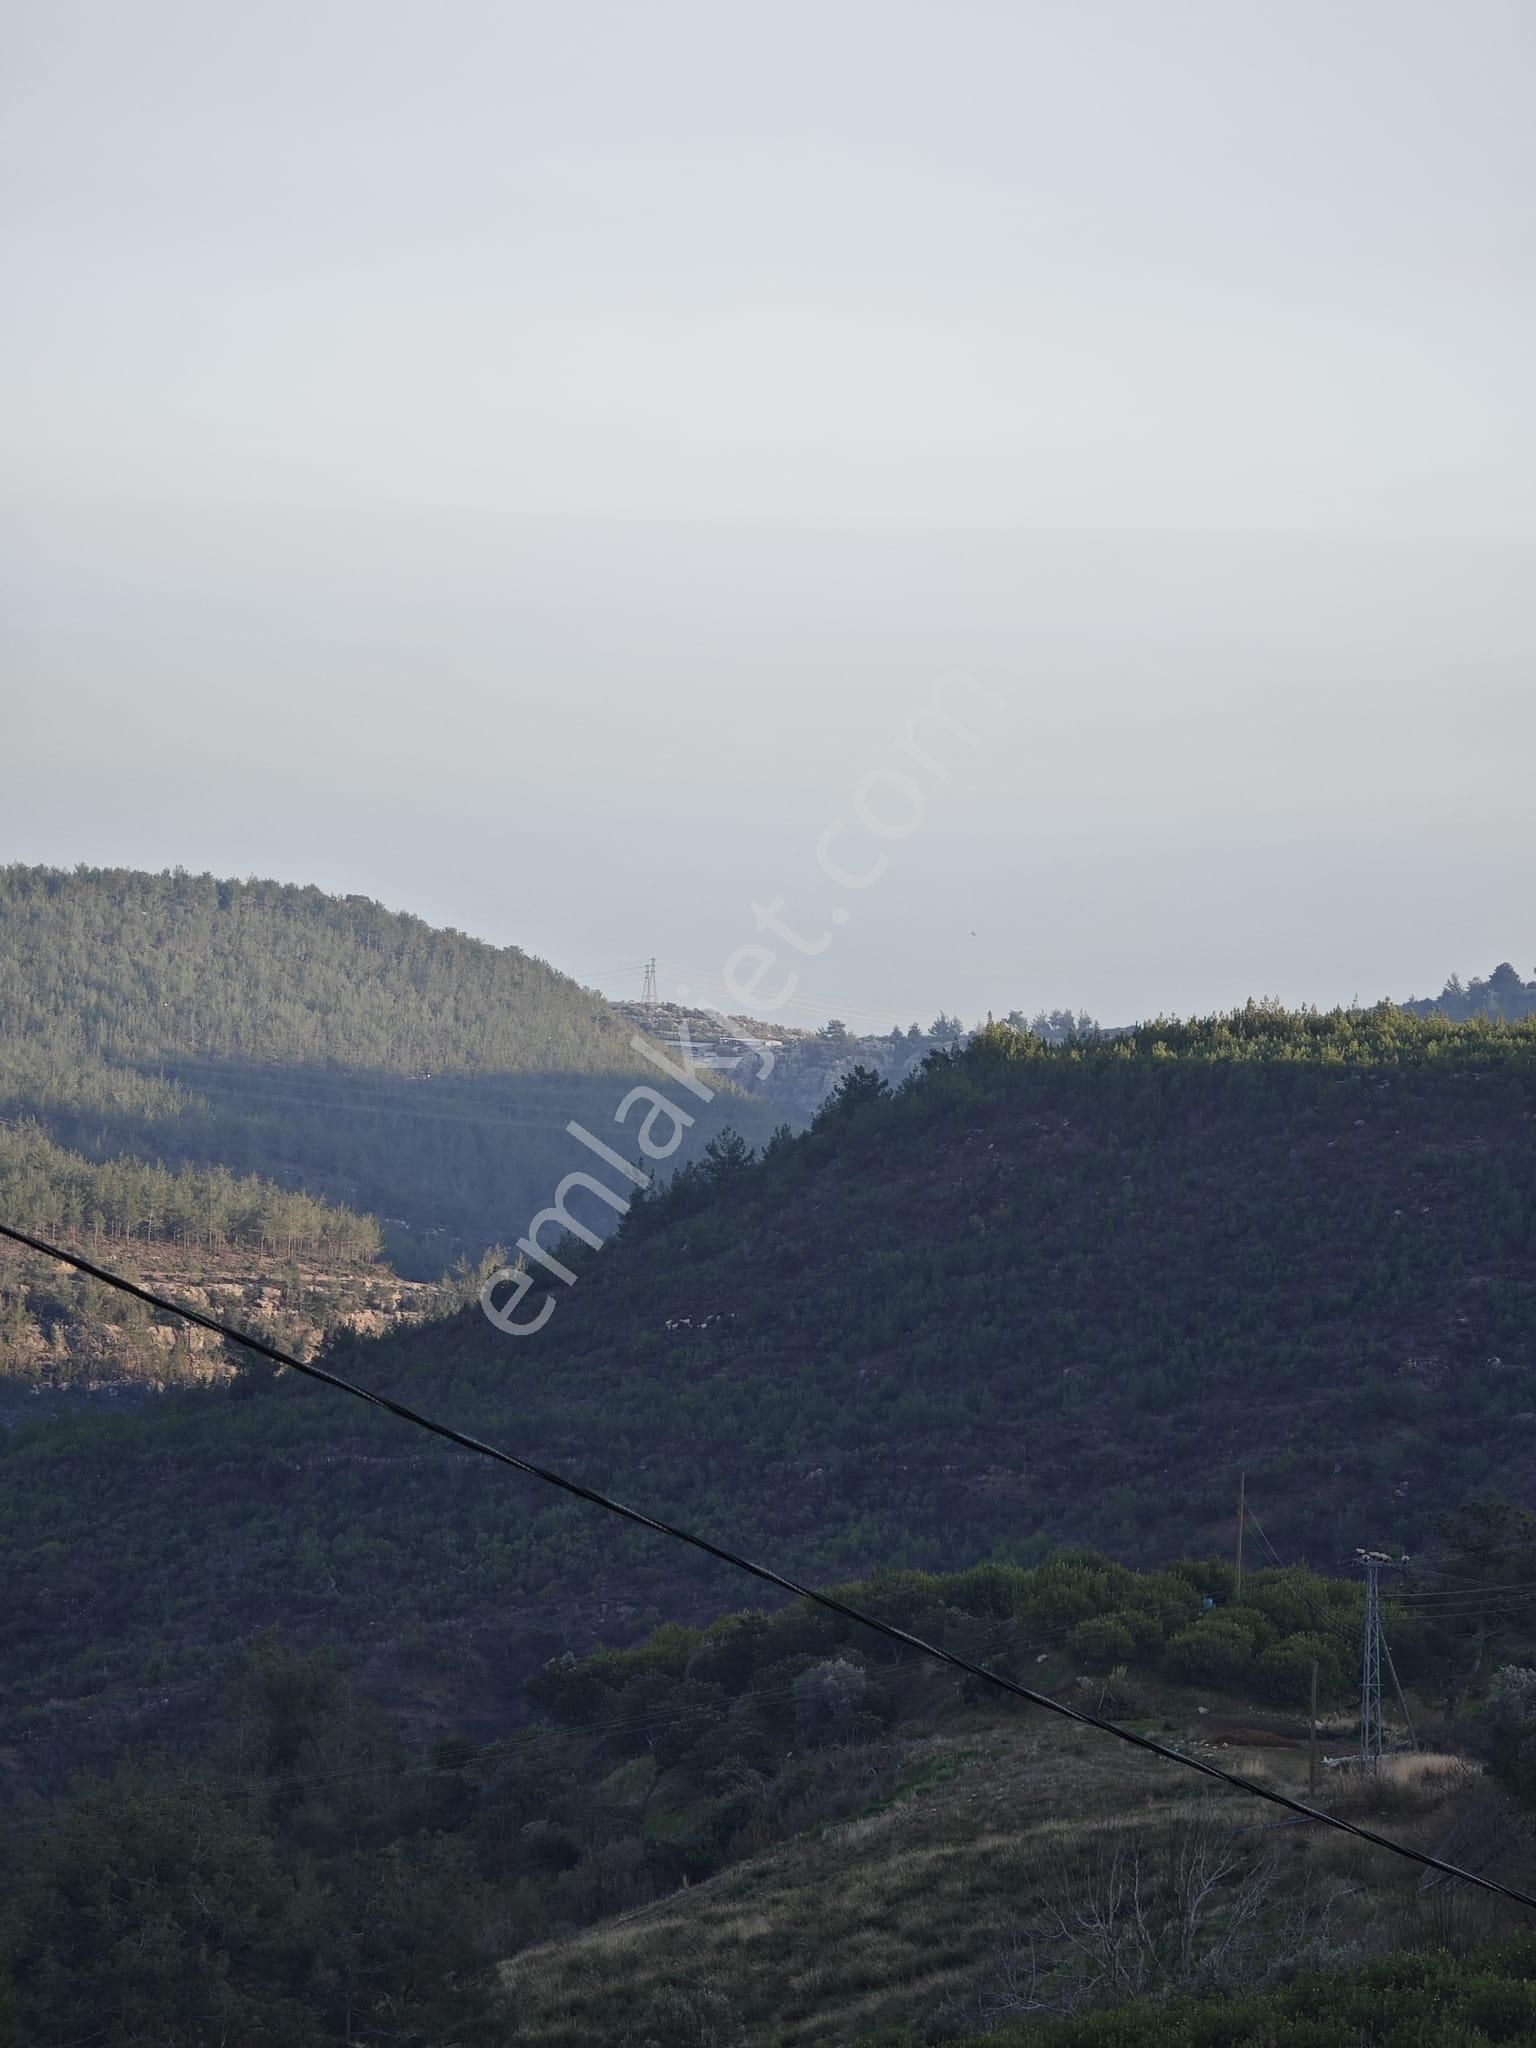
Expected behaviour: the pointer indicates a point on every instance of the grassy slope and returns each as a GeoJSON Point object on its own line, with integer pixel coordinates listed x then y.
{"type": "Point", "coordinates": [923, 1861]}
{"type": "Point", "coordinates": [1039, 1296]}
{"type": "Point", "coordinates": [891, 1862]}
{"type": "Point", "coordinates": [870, 1928]}
{"type": "Point", "coordinates": [869, 1919]}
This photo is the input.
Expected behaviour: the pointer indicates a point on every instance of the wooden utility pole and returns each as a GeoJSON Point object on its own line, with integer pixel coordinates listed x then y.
{"type": "Point", "coordinates": [1312, 1736]}
{"type": "Point", "coordinates": [1242, 1521]}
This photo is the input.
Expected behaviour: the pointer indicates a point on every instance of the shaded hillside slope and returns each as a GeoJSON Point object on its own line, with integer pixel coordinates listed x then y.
{"type": "Point", "coordinates": [1043, 1294]}
{"type": "Point", "coordinates": [326, 1043]}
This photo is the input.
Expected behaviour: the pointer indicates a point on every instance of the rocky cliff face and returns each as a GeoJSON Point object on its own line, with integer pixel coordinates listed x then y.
{"type": "Point", "coordinates": [791, 1068]}
{"type": "Point", "coordinates": [63, 1336]}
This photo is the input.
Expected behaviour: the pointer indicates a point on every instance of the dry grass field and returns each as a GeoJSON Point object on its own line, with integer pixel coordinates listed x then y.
{"type": "Point", "coordinates": [942, 1906]}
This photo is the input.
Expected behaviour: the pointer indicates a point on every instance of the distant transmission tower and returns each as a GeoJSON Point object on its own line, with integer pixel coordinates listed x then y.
{"type": "Point", "coordinates": [1372, 1732]}
{"type": "Point", "coordinates": [1370, 1668]}
{"type": "Point", "coordinates": [648, 992]}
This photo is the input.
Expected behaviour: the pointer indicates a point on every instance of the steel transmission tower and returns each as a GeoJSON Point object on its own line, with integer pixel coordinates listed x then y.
{"type": "Point", "coordinates": [1372, 1732]}
{"type": "Point", "coordinates": [648, 991]}
{"type": "Point", "coordinates": [1370, 1670]}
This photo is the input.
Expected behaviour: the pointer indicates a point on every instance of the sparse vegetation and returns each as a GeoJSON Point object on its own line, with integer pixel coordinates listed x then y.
{"type": "Point", "coordinates": [1424, 1997]}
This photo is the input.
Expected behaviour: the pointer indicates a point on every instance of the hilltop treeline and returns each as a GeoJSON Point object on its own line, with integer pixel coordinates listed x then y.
{"type": "Point", "coordinates": [61, 1194]}
{"type": "Point", "coordinates": [755, 1687]}
{"type": "Point", "coordinates": [1501, 994]}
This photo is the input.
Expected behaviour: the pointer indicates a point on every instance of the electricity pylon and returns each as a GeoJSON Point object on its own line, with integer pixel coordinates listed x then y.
{"type": "Point", "coordinates": [1372, 1730]}
{"type": "Point", "coordinates": [1370, 1670]}
{"type": "Point", "coordinates": [648, 991]}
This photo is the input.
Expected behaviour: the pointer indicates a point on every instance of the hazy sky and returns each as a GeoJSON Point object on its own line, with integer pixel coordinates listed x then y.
{"type": "Point", "coordinates": [528, 462]}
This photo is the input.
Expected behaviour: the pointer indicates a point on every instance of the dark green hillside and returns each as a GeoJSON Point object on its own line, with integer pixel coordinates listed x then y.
{"type": "Point", "coordinates": [324, 1043]}
{"type": "Point", "coordinates": [1044, 1294]}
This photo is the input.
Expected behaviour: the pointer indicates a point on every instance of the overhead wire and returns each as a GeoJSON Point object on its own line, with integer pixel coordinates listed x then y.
{"type": "Point", "coordinates": [768, 1575]}
{"type": "Point", "coordinates": [1339, 1630]}
{"type": "Point", "coordinates": [1329, 1624]}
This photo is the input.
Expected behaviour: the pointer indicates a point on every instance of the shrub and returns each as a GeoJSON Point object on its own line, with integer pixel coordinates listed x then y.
{"type": "Point", "coordinates": [1217, 1651]}
{"type": "Point", "coordinates": [1284, 1670]}
{"type": "Point", "coordinates": [828, 1700]}
{"type": "Point", "coordinates": [1148, 1627]}
{"type": "Point", "coordinates": [1510, 1720]}
{"type": "Point", "coordinates": [1102, 1642]}
{"type": "Point", "coordinates": [679, 2018]}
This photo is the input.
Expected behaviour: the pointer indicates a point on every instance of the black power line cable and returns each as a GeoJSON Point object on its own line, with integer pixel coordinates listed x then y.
{"type": "Point", "coordinates": [1328, 1624]}
{"type": "Point", "coordinates": [764, 1572]}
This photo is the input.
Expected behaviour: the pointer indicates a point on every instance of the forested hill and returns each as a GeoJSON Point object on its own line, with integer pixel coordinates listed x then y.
{"type": "Point", "coordinates": [324, 1043]}
{"type": "Point", "coordinates": [1041, 1294]}
{"type": "Point", "coordinates": [136, 967]}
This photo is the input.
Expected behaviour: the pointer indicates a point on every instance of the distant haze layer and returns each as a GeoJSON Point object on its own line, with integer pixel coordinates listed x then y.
{"type": "Point", "coordinates": [530, 465]}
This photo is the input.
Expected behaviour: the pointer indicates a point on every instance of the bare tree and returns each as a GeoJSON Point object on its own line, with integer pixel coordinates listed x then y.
{"type": "Point", "coordinates": [1141, 1914]}
{"type": "Point", "coordinates": [1144, 1916]}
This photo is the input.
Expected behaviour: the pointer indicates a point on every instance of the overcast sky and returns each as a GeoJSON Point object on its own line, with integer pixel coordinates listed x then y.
{"type": "Point", "coordinates": [527, 463]}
